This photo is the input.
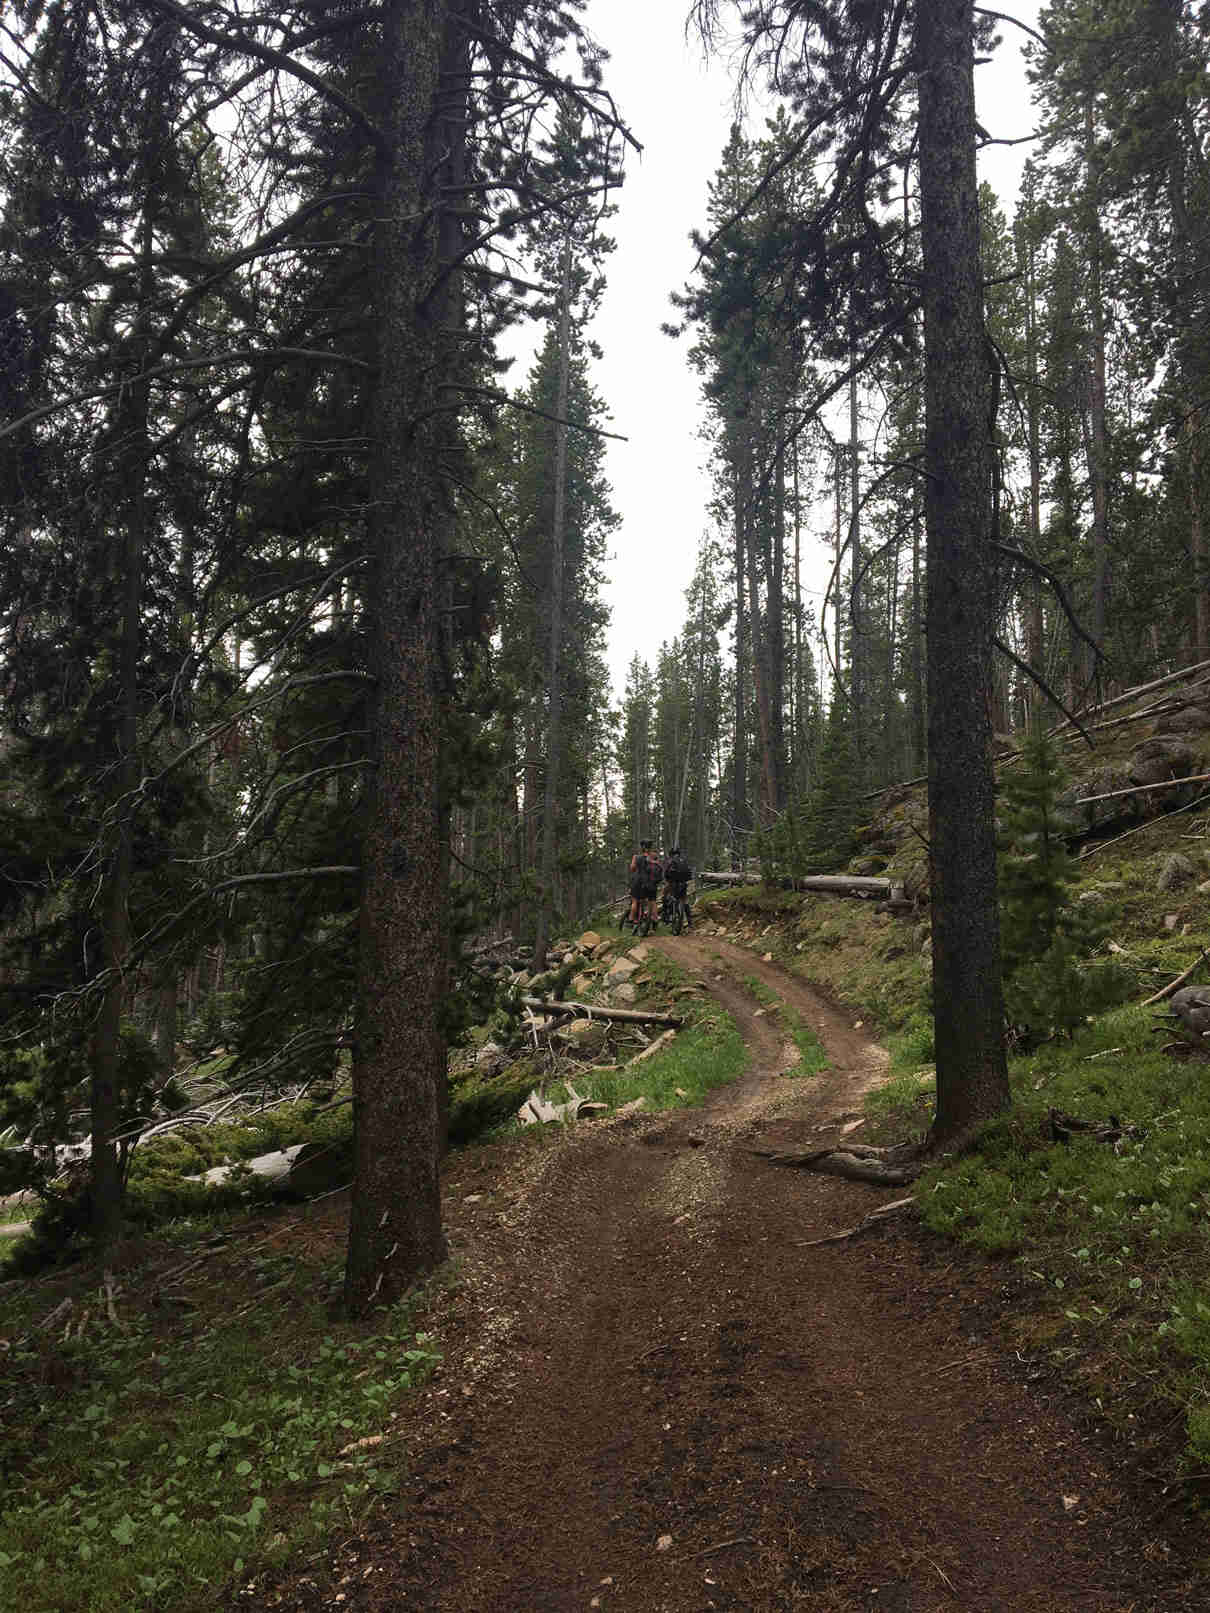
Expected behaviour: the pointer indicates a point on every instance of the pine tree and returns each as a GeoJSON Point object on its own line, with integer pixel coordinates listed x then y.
{"type": "Point", "coordinates": [1047, 938]}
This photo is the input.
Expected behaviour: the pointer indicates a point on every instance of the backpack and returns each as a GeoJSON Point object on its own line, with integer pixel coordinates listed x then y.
{"type": "Point", "coordinates": [644, 869]}
{"type": "Point", "coordinates": [678, 871]}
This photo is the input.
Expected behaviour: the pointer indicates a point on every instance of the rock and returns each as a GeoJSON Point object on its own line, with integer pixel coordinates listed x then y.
{"type": "Point", "coordinates": [1204, 888]}
{"type": "Point", "coordinates": [625, 993]}
{"type": "Point", "coordinates": [588, 941]}
{"type": "Point", "coordinates": [522, 980]}
{"type": "Point", "coordinates": [587, 1036]}
{"type": "Point", "coordinates": [1192, 718]}
{"type": "Point", "coordinates": [1177, 871]}
{"type": "Point", "coordinates": [867, 865]}
{"type": "Point", "coordinates": [1073, 819]}
{"type": "Point", "coordinates": [641, 951]}
{"type": "Point", "coordinates": [621, 969]}
{"type": "Point", "coordinates": [580, 984]}
{"type": "Point", "coordinates": [490, 1058]}
{"type": "Point", "coordinates": [1171, 920]}
{"type": "Point", "coordinates": [916, 880]}
{"type": "Point", "coordinates": [766, 957]}
{"type": "Point", "coordinates": [569, 957]}
{"type": "Point", "coordinates": [1157, 759]}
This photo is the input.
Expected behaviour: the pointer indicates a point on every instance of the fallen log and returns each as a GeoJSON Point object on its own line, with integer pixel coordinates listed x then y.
{"type": "Point", "coordinates": [837, 884]}
{"type": "Point", "coordinates": [627, 1016]}
{"type": "Point", "coordinates": [1063, 1127]}
{"type": "Point", "coordinates": [1141, 789]}
{"type": "Point", "coordinates": [1133, 694]}
{"type": "Point", "coordinates": [491, 946]}
{"type": "Point", "coordinates": [653, 1047]}
{"type": "Point", "coordinates": [1166, 991]}
{"type": "Point", "coordinates": [537, 1111]}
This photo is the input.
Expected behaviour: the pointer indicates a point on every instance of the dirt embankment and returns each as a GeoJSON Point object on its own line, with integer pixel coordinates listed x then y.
{"type": "Point", "coordinates": [657, 1395]}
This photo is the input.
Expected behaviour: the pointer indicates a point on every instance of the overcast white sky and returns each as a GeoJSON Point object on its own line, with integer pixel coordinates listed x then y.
{"type": "Point", "coordinates": [681, 107]}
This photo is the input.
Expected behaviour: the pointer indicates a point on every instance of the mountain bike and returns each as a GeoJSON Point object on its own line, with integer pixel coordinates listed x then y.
{"type": "Point", "coordinates": [649, 915]}
{"type": "Point", "coordinates": [678, 914]}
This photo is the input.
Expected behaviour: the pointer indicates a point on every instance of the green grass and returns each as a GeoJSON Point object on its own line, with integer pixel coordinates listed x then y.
{"type": "Point", "coordinates": [151, 1463]}
{"type": "Point", "coordinates": [706, 1053]}
{"type": "Point", "coordinates": [812, 1056]}
{"type": "Point", "coordinates": [1114, 1241]}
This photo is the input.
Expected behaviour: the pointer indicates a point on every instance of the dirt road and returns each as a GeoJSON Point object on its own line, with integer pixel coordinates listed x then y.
{"type": "Point", "coordinates": [655, 1397]}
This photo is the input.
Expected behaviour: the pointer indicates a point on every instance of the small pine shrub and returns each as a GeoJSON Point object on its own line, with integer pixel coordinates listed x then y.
{"type": "Point", "coordinates": [1051, 980]}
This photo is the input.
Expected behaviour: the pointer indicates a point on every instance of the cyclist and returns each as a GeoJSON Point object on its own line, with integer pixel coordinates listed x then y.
{"type": "Point", "coordinates": [678, 873]}
{"type": "Point", "coordinates": [645, 875]}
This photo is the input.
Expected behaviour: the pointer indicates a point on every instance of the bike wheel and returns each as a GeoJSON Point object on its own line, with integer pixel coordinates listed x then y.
{"type": "Point", "coordinates": [645, 924]}
{"type": "Point", "coordinates": [678, 918]}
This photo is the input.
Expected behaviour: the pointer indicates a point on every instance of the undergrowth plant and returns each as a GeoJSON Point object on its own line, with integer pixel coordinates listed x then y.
{"type": "Point", "coordinates": [157, 1460]}
{"type": "Point", "coordinates": [1114, 1237]}
{"type": "Point", "coordinates": [1051, 980]}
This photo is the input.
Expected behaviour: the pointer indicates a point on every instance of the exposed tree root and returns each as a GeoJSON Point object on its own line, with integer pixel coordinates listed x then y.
{"type": "Point", "coordinates": [873, 1219]}
{"type": "Point", "coordinates": [883, 1167]}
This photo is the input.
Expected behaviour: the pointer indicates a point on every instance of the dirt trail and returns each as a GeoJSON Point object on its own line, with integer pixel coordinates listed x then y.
{"type": "Point", "coordinates": [655, 1398]}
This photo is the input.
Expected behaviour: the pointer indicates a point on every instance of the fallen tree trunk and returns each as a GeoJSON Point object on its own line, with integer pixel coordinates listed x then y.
{"type": "Point", "coordinates": [491, 946]}
{"type": "Point", "coordinates": [629, 1016]}
{"type": "Point", "coordinates": [1133, 694]}
{"type": "Point", "coordinates": [1166, 991]}
{"type": "Point", "coordinates": [660, 1042]}
{"type": "Point", "coordinates": [1141, 789]}
{"type": "Point", "coordinates": [837, 884]}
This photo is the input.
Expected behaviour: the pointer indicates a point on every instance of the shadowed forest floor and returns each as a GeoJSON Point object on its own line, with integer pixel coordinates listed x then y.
{"type": "Point", "coordinates": [656, 1398]}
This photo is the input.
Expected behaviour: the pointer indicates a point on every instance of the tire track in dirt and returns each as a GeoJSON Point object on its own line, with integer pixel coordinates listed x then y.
{"type": "Point", "coordinates": [656, 1400]}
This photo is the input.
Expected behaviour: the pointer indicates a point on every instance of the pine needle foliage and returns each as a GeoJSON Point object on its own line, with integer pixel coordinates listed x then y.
{"type": "Point", "coordinates": [1048, 938]}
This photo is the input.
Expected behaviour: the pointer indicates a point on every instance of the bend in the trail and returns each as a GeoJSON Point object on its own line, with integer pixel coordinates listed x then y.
{"type": "Point", "coordinates": [656, 1396]}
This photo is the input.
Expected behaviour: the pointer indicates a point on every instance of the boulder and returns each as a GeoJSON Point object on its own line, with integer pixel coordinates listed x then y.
{"type": "Point", "coordinates": [625, 993]}
{"type": "Point", "coordinates": [1192, 718]}
{"type": "Point", "coordinates": [490, 1058]}
{"type": "Point", "coordinates": [587, 1036]}
{"type": "Point", "coordinates": [1158, 759]}
{"type": "Point", "coordinates": [916, 881]}
{"type": "Point", "coordinates": [621, 969]}
{"type": "Point", "coordinates": [588, 941]}
{"type": "Point", "coordinates": [867, 865]}
{"type": "Point", "coordinates": [1073, 819]}
{"type": "Point", "coordinates": [1177, 871]}
{"type": "Point", "coordinates": [580, 984]}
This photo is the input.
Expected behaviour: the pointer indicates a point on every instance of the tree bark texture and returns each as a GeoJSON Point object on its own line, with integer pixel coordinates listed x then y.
{"type": "Point", "coordinates": [395, 1233]}
{"type": "Point", "coordinates": [972, 1079]}
{"type": "Point", "coordinates": [554, 665]}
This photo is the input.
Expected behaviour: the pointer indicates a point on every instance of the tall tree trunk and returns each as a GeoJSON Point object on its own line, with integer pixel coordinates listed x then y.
{"type": "Point", "coordinates": [132, 447]}
{"type": "Point", "coordinates": [919, 697]}
{"type": "Point", "coordinates": [775, 635]}
{"type": "Point", "coordinates": [739, 744]}
{"type": "Point", "coordinates": [857, 647]}
{"type": "Point", "coordinates": [972, 1078]}
{"type": "Point", "coordinates": [395, 1232]}
{"type": "Point", "coordinates": [1098, 447]}
{"type": "Point", "coordinates": [554, 664]}
{"type": "Point", "coordinates": [1034, 626]}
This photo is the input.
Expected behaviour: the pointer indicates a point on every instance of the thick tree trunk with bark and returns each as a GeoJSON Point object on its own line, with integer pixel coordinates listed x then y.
{"type": "Point", "coordinates": [554, 675]}
{"type": "Point", "coordinates": [972, 1080]}
{"type": "Point", "coordinates": [395, 1232]}
{"type": "Point", "coordinates": [739, 747]}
